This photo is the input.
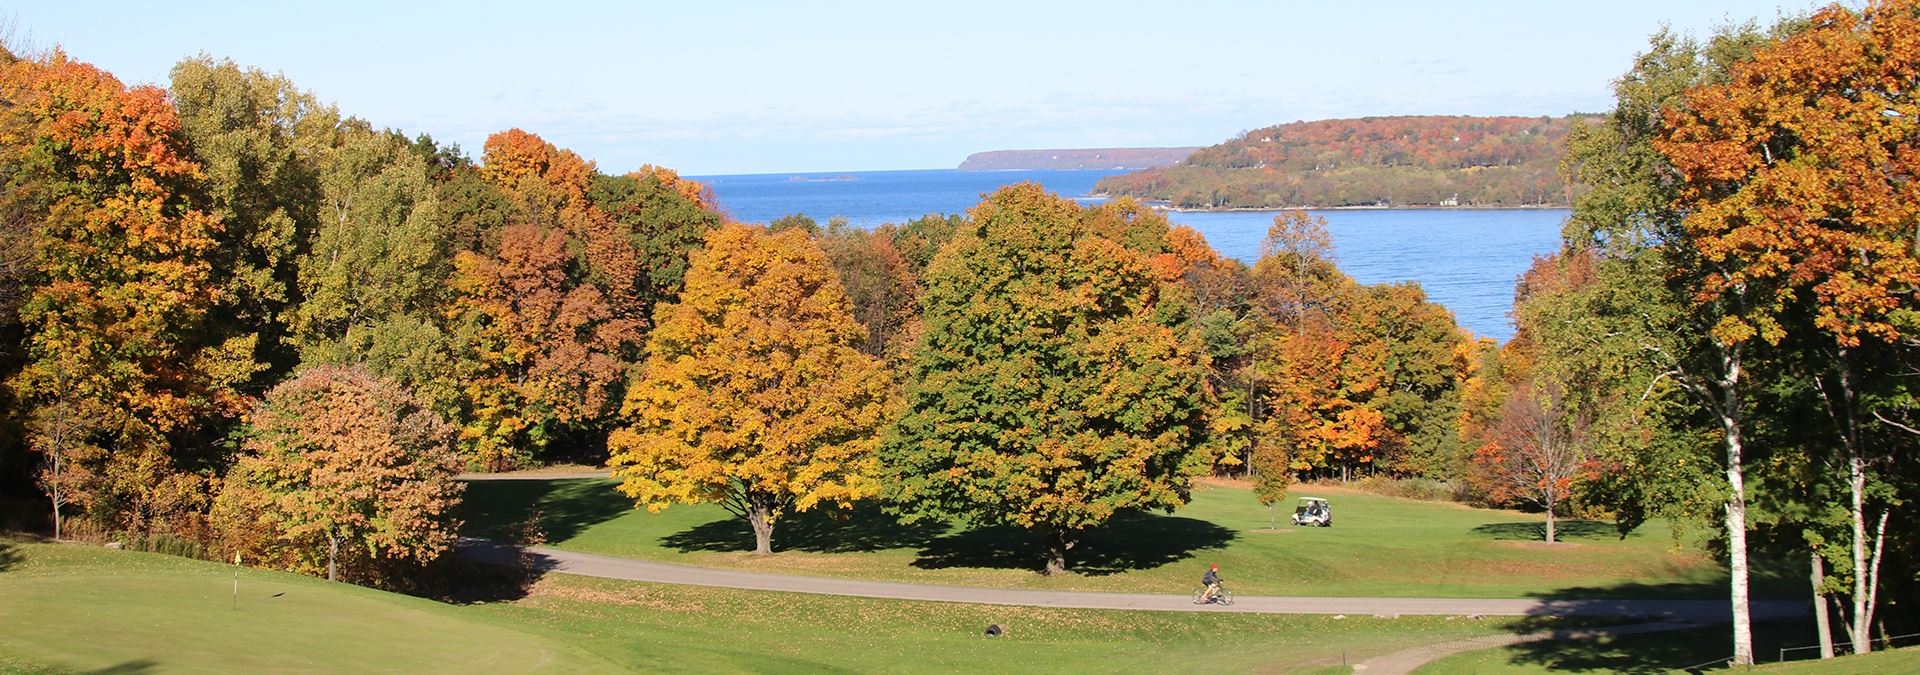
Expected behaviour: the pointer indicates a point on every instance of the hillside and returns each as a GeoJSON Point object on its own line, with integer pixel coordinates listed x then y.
{"type": "Point", "coordinates": [1075, 160]}
{"type": "Point", "coordinates": [1370, 161]}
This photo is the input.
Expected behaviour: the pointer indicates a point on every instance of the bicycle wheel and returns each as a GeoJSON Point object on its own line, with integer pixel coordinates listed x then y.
{"type": "Point", "coordinates": [1200, 596]}
{"type": "Point", "coordinates": [1225, 597]}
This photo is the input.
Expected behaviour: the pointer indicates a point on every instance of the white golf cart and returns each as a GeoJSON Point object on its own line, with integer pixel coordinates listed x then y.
{"type": "Point", "coordinates": [1313, 511]}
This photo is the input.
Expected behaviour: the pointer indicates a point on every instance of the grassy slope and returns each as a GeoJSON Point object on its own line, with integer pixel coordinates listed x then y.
{"type": "Point", "coordinates": [83, 608]}
{"type": "Point", "coordinates": [1379, 546]}
{"type": "Point", "coordinates": [72, 608]}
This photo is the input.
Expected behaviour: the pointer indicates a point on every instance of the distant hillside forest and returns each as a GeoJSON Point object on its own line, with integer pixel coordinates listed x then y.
{"type": "Point", "coordinates": [1370, 161]}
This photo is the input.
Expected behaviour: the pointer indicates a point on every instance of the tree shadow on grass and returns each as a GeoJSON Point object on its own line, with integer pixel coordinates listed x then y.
{"type": "Point", "coordinates": [565, 507]}
{"type": "Point", "coordinates": [1564, 530]}
{"type": "Point", "coordinates": [9, 555]}
{"type": "Point", "coordinates": [1691, 650]}
{"type": "Point", "coordinates": [1130, 541]}
{"type": "Point", "coordinates": [863, 529]}
{"type": "Point", "coordinates": [129, 667]}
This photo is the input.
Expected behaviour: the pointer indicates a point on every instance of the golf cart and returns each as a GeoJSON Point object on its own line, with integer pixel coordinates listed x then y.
{"type": "Point", "coordinates": [1313, 511]}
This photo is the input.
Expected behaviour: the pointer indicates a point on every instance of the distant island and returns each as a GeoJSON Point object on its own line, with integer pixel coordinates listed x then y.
{"type": "Point", "coordinates": [1370, 161]}
{"type": "Point", "coordinates": [1075, 160]}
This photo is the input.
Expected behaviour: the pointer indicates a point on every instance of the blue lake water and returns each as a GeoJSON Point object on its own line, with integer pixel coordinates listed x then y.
{"type": "Point", "coordinates": [1466, 259]}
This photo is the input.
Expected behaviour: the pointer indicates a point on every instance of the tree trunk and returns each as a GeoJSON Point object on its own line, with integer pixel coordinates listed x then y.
{"type": "Point", "coordinates": [760, 515]}
{"type": "Point", "coordinates": [1549, 522]}
{"type": "Point", "coordinates": [333, 556]}
{"type": "Point", "coordinates": [1820, 622]}
{"type": "Point", "coordinates": [1058, 543]}
{"type": "Point", "coordinates": [1730, 420]}
{"type": "Point", "coordinates": [54, 494]}
{"type": "Point", "coordinates": [1862, 607]}
{"type": "Point", "coordinates": [1873, 575]}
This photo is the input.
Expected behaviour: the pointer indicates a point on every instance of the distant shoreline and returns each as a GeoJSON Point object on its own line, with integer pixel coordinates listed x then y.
{"type": "Point", "coordinates": [1159, 205]}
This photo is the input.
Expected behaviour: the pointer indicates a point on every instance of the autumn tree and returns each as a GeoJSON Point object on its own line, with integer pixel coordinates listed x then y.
{"type": "Point", "coordinates": [1318, 374]}
{"type": "Point", "coordinates": [1799, 187]}
{"type": "Point", "coordinates": [122, 286]}
{"type": "Point", "coordinates": [544, 350]}
{"type": "Point", "coordinates": [339, 467]}
{"type": "Point", "coordinates": [754, 395]}
{"type": "Point", "coordinates": [881, 287]}
{"type": "Point", "coordinates": [549, 316]}
{"type": "Point", "coordinates": [1535, 451]}
{"type": "Point", "coordinates": [1689, 351]}
{"type": "Point", "coordinates": [1059, 381]}
{"type": "Point", "coordinates": [663, 218]}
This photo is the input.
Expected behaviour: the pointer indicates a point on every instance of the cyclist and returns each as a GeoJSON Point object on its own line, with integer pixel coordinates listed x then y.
{"type": "Point", "coordinates": [1212, 581]}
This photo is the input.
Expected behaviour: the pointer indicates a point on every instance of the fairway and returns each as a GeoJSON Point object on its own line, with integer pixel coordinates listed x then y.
{"type": "Point", "coordinates": [1379, 546]}
{"type": "Point", "coordinates": [151, 612]}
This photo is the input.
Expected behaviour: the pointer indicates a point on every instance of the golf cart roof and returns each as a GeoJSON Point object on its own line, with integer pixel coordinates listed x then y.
{"type": "Point", "coordinates": [1313, 499]}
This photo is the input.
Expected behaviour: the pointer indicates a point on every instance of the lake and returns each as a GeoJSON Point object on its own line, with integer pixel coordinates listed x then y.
{"type": "Point", "coordinates": [1466, 259]}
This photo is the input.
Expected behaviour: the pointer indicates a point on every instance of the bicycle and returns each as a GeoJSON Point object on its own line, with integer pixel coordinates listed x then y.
{"type": "Point", "coordinates": [1220, 597]}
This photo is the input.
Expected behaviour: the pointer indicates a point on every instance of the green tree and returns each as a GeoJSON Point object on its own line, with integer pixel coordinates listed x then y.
{"type": "Point", "coordinates": [754, 395]}
{"type": "Point", "coordinates": [1057, 383]}
{"type": "Point", "coordinates": [375, 281]}
{"type": "Point", "coordinates": [259, 140]}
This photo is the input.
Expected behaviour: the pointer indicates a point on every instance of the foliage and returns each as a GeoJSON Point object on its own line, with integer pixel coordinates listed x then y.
{"type": "Point", "coordinates": [1798, 188]}
{"type": "Point", "coordinates": [341, 467]}
{"type": "Point", "coordinates": [545, 350]}
{"type": "Point", "coordinates": [1316, 376]}
{"type": "Point", "coordinates": [116, 318]}
{"type": "Point", "coordinates": [663, 217]}
{"type": "Point", "coordinates": [920, 239]}
{"type": "Point", "coordinates": [1431, 160]}
{"type": "Point", "coordinates": [754, 395]}
{"type": "Point", "coordinates": [881, 286]}
{"type": "Point", "coordinates": [259, 140]}
{"type": "Point", "coordinates": [1059, 382]}
{"type": "Point", "coordinates": [1535, 452]}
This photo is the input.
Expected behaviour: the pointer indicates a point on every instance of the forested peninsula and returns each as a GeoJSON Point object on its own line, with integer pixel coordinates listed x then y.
{"type": "Point", "coordinates": [1370, 161]}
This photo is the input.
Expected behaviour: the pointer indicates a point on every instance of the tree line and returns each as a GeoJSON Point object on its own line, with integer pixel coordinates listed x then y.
{"type": "Point", "coordinates": [240, 318]}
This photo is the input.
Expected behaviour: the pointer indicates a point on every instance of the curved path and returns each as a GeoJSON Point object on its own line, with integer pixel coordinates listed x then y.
{"type": "Point", "coordinates": [587, 564]}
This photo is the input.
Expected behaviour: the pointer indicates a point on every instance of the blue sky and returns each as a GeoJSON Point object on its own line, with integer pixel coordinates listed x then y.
{"type": "Point", "coordinates": [711, 86]}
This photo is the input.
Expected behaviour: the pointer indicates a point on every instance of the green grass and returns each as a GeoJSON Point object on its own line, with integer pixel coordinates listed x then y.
{"type": "Point", "coordinates": [84, 608]}
{"type": "Point", "coordinates": [1669, 652]}
{"type": "Point", "coordinates": [72, 608]}
{"type": "Point", "coordinates": [1379, 546]}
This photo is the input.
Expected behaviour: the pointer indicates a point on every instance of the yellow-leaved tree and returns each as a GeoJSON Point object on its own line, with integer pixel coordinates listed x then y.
{"type": "Point", "coordinates": [755, 395]}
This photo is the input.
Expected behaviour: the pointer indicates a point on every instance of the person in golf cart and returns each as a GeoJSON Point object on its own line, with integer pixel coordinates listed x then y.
{"type": "Point", "coordinates": [1313, 511]}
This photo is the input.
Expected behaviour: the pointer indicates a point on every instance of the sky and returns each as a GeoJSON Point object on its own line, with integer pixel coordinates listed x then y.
{"type": "Point", "coordinates": [718, 87]}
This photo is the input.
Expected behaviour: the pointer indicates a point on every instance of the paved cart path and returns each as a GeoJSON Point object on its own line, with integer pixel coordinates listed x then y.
{"type": "Point", "coordinates": [588, 564]}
